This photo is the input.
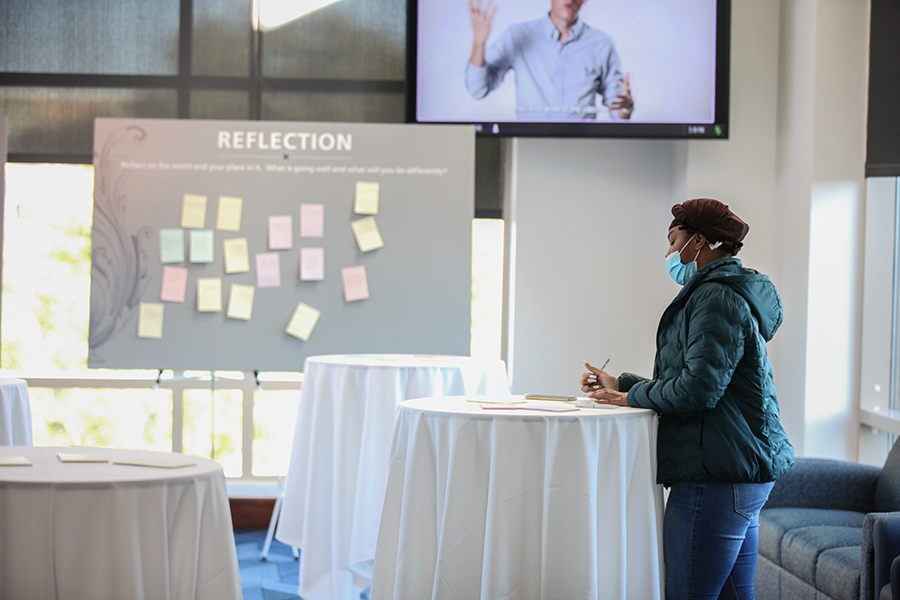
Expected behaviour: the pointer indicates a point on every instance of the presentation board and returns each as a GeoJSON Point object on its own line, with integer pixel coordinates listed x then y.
{"type": "Point", "coordinates": [250, 245]}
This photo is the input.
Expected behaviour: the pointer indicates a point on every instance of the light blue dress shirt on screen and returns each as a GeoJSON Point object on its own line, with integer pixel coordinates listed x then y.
{"type": "Point", "coordinates": [553, 80]}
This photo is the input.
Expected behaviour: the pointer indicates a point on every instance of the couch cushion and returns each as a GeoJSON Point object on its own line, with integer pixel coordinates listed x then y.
{"type": "Point", "coordinates": [801, 549]}
{"type": "Point", "coordinates": [838, 572]}
{"type": "Point", "coordinates": [775, 522]}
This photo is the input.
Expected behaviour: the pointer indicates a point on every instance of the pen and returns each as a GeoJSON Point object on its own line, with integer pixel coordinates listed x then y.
{"type": "Point", "coordinates": [604, 364]}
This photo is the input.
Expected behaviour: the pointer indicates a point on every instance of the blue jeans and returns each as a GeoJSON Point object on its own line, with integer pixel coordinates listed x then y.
{"type": "Point", "coordinates": [710, 538]}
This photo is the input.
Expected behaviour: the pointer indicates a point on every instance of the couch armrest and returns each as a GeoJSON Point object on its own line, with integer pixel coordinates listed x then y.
{"type": "Point", "coordinates": [826, 483]}
{"type": "Point", "coordinates": [886, 542]}
{"type": "Point", "coordinates": [881, 522]}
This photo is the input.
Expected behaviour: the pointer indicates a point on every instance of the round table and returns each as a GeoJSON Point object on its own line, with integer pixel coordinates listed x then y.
{"type": "Point", "coordinates": [104, 530]}
{"type": "Point", "coordinates": [520, 504]}
{"type": "Point", "coordinates": [15, 413]}
{"type": "Point", "coordinates": [339, 460]}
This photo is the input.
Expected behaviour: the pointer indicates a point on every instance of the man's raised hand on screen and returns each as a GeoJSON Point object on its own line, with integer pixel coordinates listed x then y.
{"type": "Point", "coordinates": [482, 16]}
{"type": "Point", "coordinates": [623, 103]}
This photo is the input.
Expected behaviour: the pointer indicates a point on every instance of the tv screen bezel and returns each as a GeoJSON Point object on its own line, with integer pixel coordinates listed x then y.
{"type": "Point", "coordinates": [591, 129]}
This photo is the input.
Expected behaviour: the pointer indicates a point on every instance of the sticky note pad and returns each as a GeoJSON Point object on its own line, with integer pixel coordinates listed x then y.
{"type": "Point", "coordinates": [193, 212]}
{"type": "Point", "coordinates": [303, 321]}
{"type": "Point", "coordinates": [312, 264]}
{"type": "Point", "coordinates": [268, 270]}
{"type": "Point", "coordinates": [367, 236]}
{"type": "Point", "coordinates": [209, 294]}
{"type": "Point", "coordinates": [312, 220]}
{"type": "Point", "coordinates": [366, 202]}
{"type": "Point", "coordinates": [237, 257]}
{"type": "Point", "coordinates": [174, 284]}
{"type": "Point", "coordinates": [171, 246]}
{"type": "Point", "coordinates": [229, 218]}
{"type": "Point", "coordinates": [240, 302]}
{"type": "Point", "coordinates": [356, 286]}
{"type": "Point", "coordinates": [202, 246]}
{"type": "Point", "coordinates": [281, 230]}
{"type": "Point", "coordinates": [150, 320]}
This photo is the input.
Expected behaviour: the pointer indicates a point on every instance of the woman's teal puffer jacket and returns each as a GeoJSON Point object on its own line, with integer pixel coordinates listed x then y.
{"type": "Point", "coordinates": [712, 381]}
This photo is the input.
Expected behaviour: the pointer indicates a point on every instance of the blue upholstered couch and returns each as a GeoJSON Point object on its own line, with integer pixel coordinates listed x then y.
{"type": "Point", "coordinates": [816, 532]}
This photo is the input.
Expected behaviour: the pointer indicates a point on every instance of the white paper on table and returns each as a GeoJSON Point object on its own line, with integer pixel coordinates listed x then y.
{"type": "Point", "coordinates": [171, 246]}
{"type": "Point", "coordinates": [209, 294]}
{"type": "Point", "coordinates": [366, 201]}
{"type": "Point", "coordinates": [229, 218]}
{"type": "Point", "coordinates": [202, 241]}
{"type": "Point", "coordinates": [237, 257]}
{"type": "Point", "coordinates": [303, 321]}
{"type": "Point", "coordinates": [150, 320]}
{"type": "Point", "coordinates": [356, 285]}
{"type": "Point", "coordinates": [14, 461]}
{"type": "Point", "coordinates": [80, 457]}
{"type": "Point", "coordinates": [240, 302]}
{"type": "Point", "coordinates": [160, 464]}
{"type": "Point", "coordinates": [312, 264]}
{"type": "Point", "coordinates": [312, 220]}
{"type": "Point", "coordinates": [268, 270]}
{"type": "Point", "coordinates": [174, 284]}
{"type": "Point", "coordinates": [281, 232]}
{"type": "Point", "coordinates": [193, 212]}
{"type": "Point", "coordinates": [367, 235]}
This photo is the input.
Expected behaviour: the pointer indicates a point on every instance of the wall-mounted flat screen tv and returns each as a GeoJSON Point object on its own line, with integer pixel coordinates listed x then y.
{"type": "Point", "coordinates": [588, 68]}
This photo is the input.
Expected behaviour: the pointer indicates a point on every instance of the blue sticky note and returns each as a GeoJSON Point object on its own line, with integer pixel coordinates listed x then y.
{"type": "Point", "coordinates": [171, 246]}
{"type": "Point", "coordinates": [202, 245]}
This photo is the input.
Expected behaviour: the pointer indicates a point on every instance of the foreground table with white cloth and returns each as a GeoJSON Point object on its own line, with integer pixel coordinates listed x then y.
{"type": "Point", "coordinates": [15, 413]}
{"type": "Point", "coordinates": [520, 504]}
{"type": "Point", "coordinates": [104, 530]}
{"type": "Point", "coordinates": [339, 461]}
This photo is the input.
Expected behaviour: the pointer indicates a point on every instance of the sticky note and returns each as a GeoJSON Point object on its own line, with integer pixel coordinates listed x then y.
{"type": "Point", "coordinates": [356, 286]}
{"type": "Point", "coordinates": [312, 264]}
{"type": "Point", "coordinates": [202, 246]}
{"type": "Point", "coordinates": [312, 220]}
{"type": "Point", "coordinates": [240, 302]}
{"type": "Point", "coordinates": [237, 257]}
{"type": "Point", "coordinates": [367, 236]}
{"type": "Point", "coordinates": [150, 320]}
{"type": "Point", "coordinates": [268, 270]}
{"type": "Point", "coordinates": [174, 284]}
{"type": "Point", "coordinates": [303, 321]}
{"type": "Point", "coordinates": [366, 202]}
{"type": "Point", "coordinates": [281, 232]}
{"type": "Point", "coordinates": [193, 212]}
{"type": "Point", "coordinates": [171, 246]}
{"type": "Point", "coordinates": [229, 218]}
{"type": "Point", "coordinates": [209, 294]}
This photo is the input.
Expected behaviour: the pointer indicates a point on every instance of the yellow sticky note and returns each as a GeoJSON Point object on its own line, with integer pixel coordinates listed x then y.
{"type": "Point", "coordinates": [229, 213]}
{"type": "Point", "coordinates": [150, 320]}
{"type": "Point", "coordinates": [367, 236]}
{"type": "Point", "coordinates": [237, 257]}
{"type": "Point", "coordinates": [209, 294]}
{"type": "Point", "coordinates": [193, 212]}
{"type": "Point", "coordinates": [303, 321]}
{"type": "Point", "coordinates": [366, 198]}
{"type": "Point", "coordinates": [240, 301]}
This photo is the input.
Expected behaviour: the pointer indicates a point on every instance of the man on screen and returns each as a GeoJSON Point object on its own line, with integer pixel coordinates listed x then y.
{"type": "Point", "coordinates": [561, 64]}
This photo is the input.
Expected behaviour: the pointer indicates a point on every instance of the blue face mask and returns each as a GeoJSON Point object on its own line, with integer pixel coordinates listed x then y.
{"type": "Point", "coordinates": [681, 273]}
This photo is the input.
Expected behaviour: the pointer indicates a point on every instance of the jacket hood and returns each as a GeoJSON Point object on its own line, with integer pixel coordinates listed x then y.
{"type": "Point", "coordinates": [754, 287]}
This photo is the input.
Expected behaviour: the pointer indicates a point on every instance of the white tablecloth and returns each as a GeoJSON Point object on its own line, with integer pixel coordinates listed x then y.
{"type": "Point", "coordinates": [15, 413]}
{"type": "Point", "coordinates": [341, 452]}
{"type": "Point", "coordinates": [520, 504]}
{"type": "Point", "coordinates": [105, 531]}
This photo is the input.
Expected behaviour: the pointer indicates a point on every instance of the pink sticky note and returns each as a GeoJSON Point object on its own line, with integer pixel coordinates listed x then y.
{"type": "Point", "coordinates": [268, 270]}
{"type": "Point", "coordinates": [174, 284]}
{"type": "Point", "coordinates": [281, 231]}
{"type": "Point", "coordinates": [312, 264]}
{"type": "Point", "coordinates": [356, 286]}
{"type": "Point", "coordinates": [312, 220]}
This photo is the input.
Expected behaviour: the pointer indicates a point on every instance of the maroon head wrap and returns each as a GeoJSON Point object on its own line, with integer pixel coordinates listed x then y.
{"type": "Point", "coordinates": [714, 220]}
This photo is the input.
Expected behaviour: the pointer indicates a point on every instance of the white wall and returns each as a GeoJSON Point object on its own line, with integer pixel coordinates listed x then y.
{"type": "Point", "coordinates": [589, 220]}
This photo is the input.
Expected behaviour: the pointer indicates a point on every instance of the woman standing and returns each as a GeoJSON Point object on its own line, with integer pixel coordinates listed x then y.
{"type": "Point", "coordinates": [720, 442]}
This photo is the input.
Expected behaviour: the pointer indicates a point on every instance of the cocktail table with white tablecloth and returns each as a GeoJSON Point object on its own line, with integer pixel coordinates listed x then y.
{"type": "Point", "coordinates": [520, 504]}
{"type": "Point", "coordinates": [15, 413]}
{"type": "Point", "coordinates": [341, 453]}
{"type": "Point", "coordinates": [104, 530]}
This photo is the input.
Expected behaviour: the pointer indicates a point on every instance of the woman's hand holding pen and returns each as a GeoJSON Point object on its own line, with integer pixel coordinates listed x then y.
{"type": "Point", "coordinates": [601, 386]}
